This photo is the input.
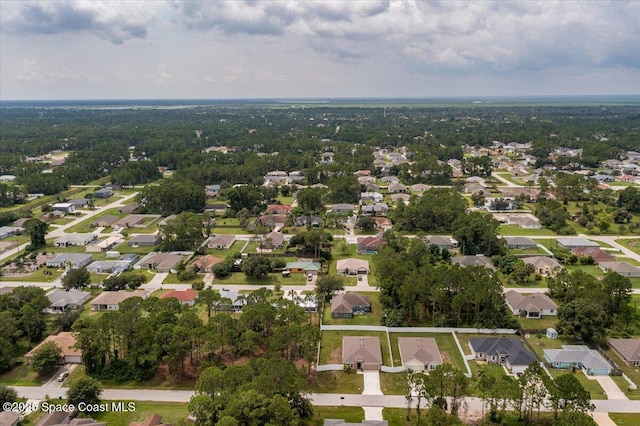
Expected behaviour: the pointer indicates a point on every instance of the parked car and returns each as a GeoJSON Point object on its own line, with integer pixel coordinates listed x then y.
{"type": "Point", "coordinates": [359, 277]}
{"type": "Point", "coordinates": [63, 376]}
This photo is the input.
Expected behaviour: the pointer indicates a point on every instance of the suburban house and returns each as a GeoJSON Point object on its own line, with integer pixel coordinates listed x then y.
{"type": "Point", "coordinates": [596, 253]}
{"type": "Point", "coordinates": [110, 300]}
{"type": "Point", "coordinates": [123, 263]}
{"type": "Point", "coordinates": [627, 349]}
{"type": "Point", "coordinates": [477, 260]}
{"type": "Point", "coordinates": [211, 191]}
{"type": "Point", "coordinates": [534, 305]}
{"type": "Point", "coordinates": [622, 268]}
{"type": "Point", "coordinates": [313, 221]}
{"type": "Point", "coordinates": [103, 245]}
{"type": "Point", "coordinates": [66, 341]}
{"type": "Point", "coordinates": [74, 240]}
{"type": "Point", "coordinates": [128, 208]}
{"type": "Point", "coordinates": [73, 260]}
{"type": "Point", "coordinates": [474, 188]}
{"type": "Point", "coordinates": [346, 305]}
{"type": "Point", "coordinates": [282, 209]}
{"type": "Point", "coordinates": [391, 179]}
{"type": "Point", "coordinates": [271, 241]}
{"type": "Point", "coordinates": [361, 353]}
{"type": "Point", "coordinates": [132, 220]}
{"type": "Point", "coordinates": [303, 266]}
{"type": "Point", "coordinates": [143, 240]}
{"type": "Point", "coordinates": [12, 418]}
{"type": "Point", "coordinates": [383, 224]}
{"type": "Point", "coordinates": [506, 351]}
{"type": "Point", "coordinates": [342, 208]}
{"type": "Point", "coordinates": [273, 220]}
{"type": "Point", "coordinates": [398, 188]}
{"type": "Point", "coordinates": [543, 265]}
{"type": "Point", "coordinates": [571, 243]}
{"type": "Point", "coordinates": [352, 266]}
{"type": "Point", "coordinates": [185, 297]}
{"type": "Point", "coordinates": [215, 208]}
{"type": "Point", "coordinates": [151, 420]}
{"type": "Point", "coordinates": [105, 221]}
{"type": "Point", "coordinates": [578, 356]}
{"type": "Point", "coordinates": [520, 243]}
{"type": "Point", "coordinates": [9, 231]}
{"type": "Point", "coordinates": [443, 243]}
{"type": "Point", "coordinates": [371, 196]}
{"type": "Point", "coordinates": [369, 245]}
{"type": "Point", "coordinates": [65, 208]}
{"type": "Point", "coordinates": [221, 241]}
{"type": "Point", "coordinates": [419, 354]}
{"type": "Point", "coordinates": [63, 300]}
{"type": "Point", "coordinates": [231, 301]}
{"type": "Point", "coordinates": [420, 187]}
{"type": "Point", "coordinates": [80, 202]}
{"type": "Point", "coordinates": [206, 263]}
{"type": "Point", "coordinates": [374, 209]}
{"type": "Point", "coordinates": [103, 193]}
{"type": "Point", "coordinates": [161, 262]}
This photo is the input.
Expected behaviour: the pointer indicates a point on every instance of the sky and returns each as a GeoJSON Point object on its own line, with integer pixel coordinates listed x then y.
{"type": "Point", "coordinates": [158, 49]}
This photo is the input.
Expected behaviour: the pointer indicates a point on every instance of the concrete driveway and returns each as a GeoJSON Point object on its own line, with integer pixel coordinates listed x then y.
{"type": "Point", "coordinates": [610, 388]}
{"type": "Point", "coordinates": [364, 282]}
{"type": "Point", "coordinates": [371, 383]}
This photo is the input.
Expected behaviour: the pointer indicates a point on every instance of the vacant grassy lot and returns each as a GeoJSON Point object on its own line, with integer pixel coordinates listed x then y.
{"type": "Point", "coordinates": [331, 347]}
{"type": "Point", "coordinates": [349, 414]}
{"type": "Point", "coordinates": [22, 376]}
{"type": "Point", "coordinates": [371, 318]}
{"type": "Point", "coordinates": [626, 419]}
{"type": "Point", "coordinates": [338, 382]}
{"type": "Point", "coordinates": [517, 230]}
{"type": "Point", "coordinates": [631, 244]}
{"type": "Point", "coordinates": [171, 412]}
{"type": "Point", "coordinates": [239, 278]}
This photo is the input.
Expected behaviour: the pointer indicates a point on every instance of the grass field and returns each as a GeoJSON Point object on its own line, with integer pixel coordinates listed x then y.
{"type": "Point", "coordinates": [171, 412]}
{"type": "Point", "coordinates": [239, 278]}
{"type": "Point", "coordinates": [39, 275]}
{"type": "Point", "coordinates": [22, 376]}
{"type": "Point", "coordinates": [626, 419]}
{"type": "Point", "coordinates": [349, 414]}
{"type": "Point", "coordinates": [631, 244]}
{"type": "Point", "coordinates": [339, 382]}
{"type": "Point", "coordinates": [517, 230]}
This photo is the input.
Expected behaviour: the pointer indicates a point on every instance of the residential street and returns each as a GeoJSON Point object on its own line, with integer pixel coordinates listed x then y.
{"type": "Point", "coordinates": [324, 399]}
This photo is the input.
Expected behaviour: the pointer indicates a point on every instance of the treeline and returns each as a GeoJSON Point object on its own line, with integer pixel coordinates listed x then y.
{"type": "Point", "coordinates": [415, 283]}
{"type": "Point", "coordinates": [132, 342]}
{"type": "Point", "coordinates": [22, 321]}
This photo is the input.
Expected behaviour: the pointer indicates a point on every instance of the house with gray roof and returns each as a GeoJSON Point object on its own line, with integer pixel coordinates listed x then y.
{"type": "Point", "coordinates": [477, 260]}
{"type": "Point", "coordinates": [442, 242]}
{"type": "Point", "coordinates": [313, 221]}
{"type": "Point", "coordinates": [627, 349]}
{"type": "Point", "coordinates": [73, 260]}
{"type": "Point", "coordinates": [534, 305]}
{"type": "Point", "coordinates": [63, 300]}
{"type": "Point", "coordinates": [346, 305]}
{"type": "Point", "coordinates": [520, 243]}
{"type": "Point", "coordinates": [9, 231]}
{"type": "Point", "coordinates": [361, 352]}
{"type": "Point", "coordinates": [143, 240]}
{"type": "Point", "coordinates": [621, 268]}
{"type": "Point", "coordinates": [573, 243]}
{"type": "Point", "coordinates": [74, 239]}
{"type": "Point", "coordinates": [231, 301]}
{"type": "Point", "coordinates": [342, 208]}
{"type": "Point", "coordinates": [506, 351]}
{"type": "Point", "coordinates": [221, 241]}
{"type": "Point", "coordinates": [419, 354]}
{"type": "Point", "coordinates": [578, 356]}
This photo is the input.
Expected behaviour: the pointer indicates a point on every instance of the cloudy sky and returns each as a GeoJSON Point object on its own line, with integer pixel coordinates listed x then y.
{"type": "Point", "coordinates": [331, 48]}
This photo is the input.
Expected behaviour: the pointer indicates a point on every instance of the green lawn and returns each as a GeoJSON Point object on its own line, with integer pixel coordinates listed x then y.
{"type": "Point", "coordinates": [39, 275]}
{"type": "Point", "coordinates": [538, 324]}
{"type": "Point", "coordinates": [173, 279]}
{"type": "Point", "coordinates": [393, 383]}
{"type": "Point", "coordinates": [349, 414]}
{"type": "Point", "coordinates": [517, 230]}
{"type": "Point", "coordinates": [338, 382]}
{"type": "Point", "coordinates": [22, 376]}
{"type": "Point", "coordinates": [446, 345]}
{"type": "Point", "coordinates": [331, 346]}
{"type": "Point", "coordinates": [171, 412]}
{"type": "Point", "coordinates": [85, 226]}
{"type": "Point", "coordinates": [631, 244]}
{"type": "Point", "coordinates": [589, 269]}
{"type": "Point", "coordinates": [239, 278]}
{"type": "Point", "coordinates": [540, 342]}
{"type": "Point", "coordinates": [371, 318]}
{"type": "Point", "coordinates": [592, 386]}
{"type": "Point", "coordinates": [626, 419]}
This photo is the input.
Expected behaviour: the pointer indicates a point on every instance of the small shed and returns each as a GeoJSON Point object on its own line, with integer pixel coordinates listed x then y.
{"type": "Point", "coordinates": [552, 333]}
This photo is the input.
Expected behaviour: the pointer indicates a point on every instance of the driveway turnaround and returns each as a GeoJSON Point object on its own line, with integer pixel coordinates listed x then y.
{"type": "Point", "coordinates": [371, 383]}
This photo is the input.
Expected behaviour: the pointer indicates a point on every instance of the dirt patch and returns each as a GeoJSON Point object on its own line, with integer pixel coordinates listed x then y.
{"type": "Point", "coordinates": [336, 356]}
{"type": "Point", "coordinates": [27, 266]}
